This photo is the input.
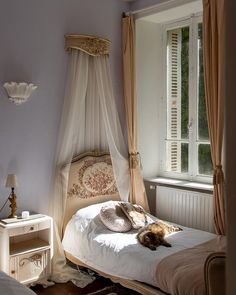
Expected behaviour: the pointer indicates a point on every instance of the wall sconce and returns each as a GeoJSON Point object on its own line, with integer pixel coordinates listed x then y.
{"type": "Point", "coordinates": [19, 92]}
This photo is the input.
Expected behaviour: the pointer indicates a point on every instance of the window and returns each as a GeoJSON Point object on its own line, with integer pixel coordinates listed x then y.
{"type": "Point", "coordinates": [185, 139]}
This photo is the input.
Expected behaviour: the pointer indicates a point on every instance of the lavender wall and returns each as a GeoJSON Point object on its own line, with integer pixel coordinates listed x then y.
{"type": "Point", "coordinates": [32, 50]}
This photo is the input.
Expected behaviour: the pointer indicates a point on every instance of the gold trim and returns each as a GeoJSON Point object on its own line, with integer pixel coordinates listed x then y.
{"type": "Point", "coordinates": [89, 44]}
{"type": "Point", "coordinates": [13, 204]}
{"type": "Point", "coordinates": [36, 259]}
{"type": "Point", "coordinates": [95, 153]}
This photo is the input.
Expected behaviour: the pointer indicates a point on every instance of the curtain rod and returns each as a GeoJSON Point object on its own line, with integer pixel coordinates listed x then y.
{"type": "Point", "coordinates": [162, 5]}
{"type": "Point", "coordinates": [137, 11]}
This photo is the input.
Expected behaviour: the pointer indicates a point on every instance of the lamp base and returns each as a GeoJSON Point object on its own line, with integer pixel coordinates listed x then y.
{"type": "Point", "coordinates": [12, 216]}
{"type": "Point", "coordinates": [12, 205]}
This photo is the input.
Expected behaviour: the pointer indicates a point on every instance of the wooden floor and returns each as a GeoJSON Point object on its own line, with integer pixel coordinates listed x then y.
{"type": "Point", "coordinates": [70, 289]}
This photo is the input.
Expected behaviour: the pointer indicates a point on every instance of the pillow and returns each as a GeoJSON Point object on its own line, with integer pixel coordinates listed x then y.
{"type": "Point", "coordinates": [114, 219]}
{"type": "Point", "coordinates": [86, 215]}
{"type": "Point", "coordinates": [136, 214]}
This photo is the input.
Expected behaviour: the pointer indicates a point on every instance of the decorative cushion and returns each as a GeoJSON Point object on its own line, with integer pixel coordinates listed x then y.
{"type": "Point", "coordinates": [136, 214]}
{"type": "Point", "coordinates": [114, 219]}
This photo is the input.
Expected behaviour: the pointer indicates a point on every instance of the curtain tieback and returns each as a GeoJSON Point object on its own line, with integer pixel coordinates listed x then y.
{"type": "Point", "coordinates": [134, 160]}
{"type": "Point", "coordinates": [218, 176]}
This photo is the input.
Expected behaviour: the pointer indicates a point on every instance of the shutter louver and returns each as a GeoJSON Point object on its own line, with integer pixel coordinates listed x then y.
{"type": "Point", "coordinates": [174, 100]}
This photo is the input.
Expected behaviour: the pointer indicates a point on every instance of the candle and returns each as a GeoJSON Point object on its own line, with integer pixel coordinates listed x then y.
{"type": "Point", "coordinates": [25, 214]}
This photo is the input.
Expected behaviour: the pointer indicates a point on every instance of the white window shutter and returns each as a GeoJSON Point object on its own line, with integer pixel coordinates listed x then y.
{"type": "Point", "coordinates": [174, 100]}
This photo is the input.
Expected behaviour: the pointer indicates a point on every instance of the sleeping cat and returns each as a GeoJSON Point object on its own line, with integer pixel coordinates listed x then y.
{"type": "Point", "coordinates": [152, 235]}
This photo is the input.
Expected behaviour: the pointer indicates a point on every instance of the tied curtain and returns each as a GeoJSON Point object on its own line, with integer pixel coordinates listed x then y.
{"type": "Point", "coordinates": [89, 122]}
{"type": "Point", "coordinates": [213, 34]}
{"type": "Point", "coordinates": [137, 189]}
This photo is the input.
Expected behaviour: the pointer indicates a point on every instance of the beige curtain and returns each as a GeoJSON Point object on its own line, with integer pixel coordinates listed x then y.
{"type": "Point", "coordinates": [137, 189]}
{"type": "Point", "coordinates": [213, 29]}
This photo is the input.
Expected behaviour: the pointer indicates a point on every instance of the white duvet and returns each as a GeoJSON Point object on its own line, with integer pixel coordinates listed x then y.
{"type": "Point", "coordinates": [120, 254]}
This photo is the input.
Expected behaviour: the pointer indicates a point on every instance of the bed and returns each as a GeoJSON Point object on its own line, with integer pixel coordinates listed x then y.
{"type": "Point", "coordinates": [10, 286]}
{"type": "Point", "coordinates": [190, 266]}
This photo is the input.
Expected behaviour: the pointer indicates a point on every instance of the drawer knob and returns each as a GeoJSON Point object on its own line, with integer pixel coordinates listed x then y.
{"type": "Point", "coordinates": [31, 228]}
{"type": "Point", "coordinates": [13, 272]}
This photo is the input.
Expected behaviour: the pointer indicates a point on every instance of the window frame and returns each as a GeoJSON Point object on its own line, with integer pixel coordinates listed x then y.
{"type": "Point", "coordinates": [193, 140]}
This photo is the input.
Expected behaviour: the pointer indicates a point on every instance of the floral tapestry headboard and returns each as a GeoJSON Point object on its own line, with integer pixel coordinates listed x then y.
{"type": "Point", "coordinates": [91, 180]}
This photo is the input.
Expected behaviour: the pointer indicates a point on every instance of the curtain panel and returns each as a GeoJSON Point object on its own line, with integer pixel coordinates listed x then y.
{"type": "Point", "coordinates": [137, 189]}
{"type": "Point", "coordinates": [213, 34]}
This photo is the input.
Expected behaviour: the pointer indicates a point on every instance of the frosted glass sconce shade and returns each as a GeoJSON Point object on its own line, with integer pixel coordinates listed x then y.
{"type": "Point", "coordinates": [19, 92]}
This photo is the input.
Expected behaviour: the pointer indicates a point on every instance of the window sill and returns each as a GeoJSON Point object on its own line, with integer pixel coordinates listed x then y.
{"type": "Point", "coordinates": [182, 184]}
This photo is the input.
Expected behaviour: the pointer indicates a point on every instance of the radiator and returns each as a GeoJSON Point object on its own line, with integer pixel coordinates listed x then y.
{"type": "Point", "coordinates": [188, 208]}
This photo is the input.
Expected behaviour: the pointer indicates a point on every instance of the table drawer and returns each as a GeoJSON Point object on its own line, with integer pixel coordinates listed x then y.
{"type": "Point", "coordinates": [21, 230]}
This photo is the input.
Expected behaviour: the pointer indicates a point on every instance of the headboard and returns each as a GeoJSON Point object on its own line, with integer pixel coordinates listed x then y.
{"type": "Point", "coordinates": [91, 180]}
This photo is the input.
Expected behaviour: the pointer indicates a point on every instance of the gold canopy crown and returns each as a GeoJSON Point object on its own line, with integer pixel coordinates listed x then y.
{"type": "Point", "coordinates": [91, 45]}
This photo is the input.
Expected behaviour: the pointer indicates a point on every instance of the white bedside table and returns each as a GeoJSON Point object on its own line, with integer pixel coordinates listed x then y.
{"type": "Point", "coordinates": [26, 248]}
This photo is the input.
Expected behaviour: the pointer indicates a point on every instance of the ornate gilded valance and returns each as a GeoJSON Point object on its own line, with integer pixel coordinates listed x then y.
{"type": "Point", "coordinates": [91, 45]}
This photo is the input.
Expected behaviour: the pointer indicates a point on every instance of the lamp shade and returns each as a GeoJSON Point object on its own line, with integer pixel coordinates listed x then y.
{"type": "Point", "coordinates": [11, 180]}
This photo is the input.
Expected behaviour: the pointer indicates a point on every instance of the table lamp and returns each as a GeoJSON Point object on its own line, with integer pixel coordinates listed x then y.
{"type": "Point", "coordinates": [12, 183]}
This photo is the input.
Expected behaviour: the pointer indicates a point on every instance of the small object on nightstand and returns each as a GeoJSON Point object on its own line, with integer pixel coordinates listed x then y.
{"type": "Point", "coordinates": [25, 214]}
{"type": "Point", "coordinates": [12, 182]}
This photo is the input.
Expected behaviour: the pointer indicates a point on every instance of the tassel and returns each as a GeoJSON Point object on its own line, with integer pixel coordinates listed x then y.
{"type": "Point", "coordinates": [218, 176]}
{"type": "Point", "coordinates": [134, 160]}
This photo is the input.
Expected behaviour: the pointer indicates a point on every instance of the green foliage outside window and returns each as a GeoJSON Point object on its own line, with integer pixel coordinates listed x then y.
{"type": "Point", "coordinates": [184, 81]}
{"type": "Point", "coordinates": [184, 157]}
{"type": "Point", "coordinates": [202, 119]}
{"type": "Point", "coordinates": [193, 143]}
{"type": "Point", "coordinates": [204, 152]}
{"type": "Point", "coordinates": [184, 96]}
{"type": "Point", "coordinates": [204, 159]}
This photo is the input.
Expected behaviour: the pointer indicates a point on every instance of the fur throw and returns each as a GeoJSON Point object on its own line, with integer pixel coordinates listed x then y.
{"type": "Point", "coordinates": [152, 235]}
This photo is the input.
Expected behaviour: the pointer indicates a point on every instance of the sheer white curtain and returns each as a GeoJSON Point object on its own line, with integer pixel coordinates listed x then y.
{"type": "Point", "coordinates": [117, 147]}
{"type": "Point", "coordinates": [89, 121]}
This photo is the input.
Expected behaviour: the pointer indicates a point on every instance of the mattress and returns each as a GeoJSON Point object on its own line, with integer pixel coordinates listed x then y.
{"type": "Point", "coordinates": [10, 286]}
{"type": "Point", "coordinates": [120, 254]}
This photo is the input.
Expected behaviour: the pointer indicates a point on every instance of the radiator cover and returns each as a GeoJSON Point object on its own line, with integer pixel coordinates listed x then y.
{"type": "Point", "coordinates": [188, 208]}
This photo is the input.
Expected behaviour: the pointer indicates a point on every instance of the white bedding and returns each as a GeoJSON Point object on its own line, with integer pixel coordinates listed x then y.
{"type": "Point", "coordinates": [9, 286]}
{"type": "Point", "coordinates": [120, 254]}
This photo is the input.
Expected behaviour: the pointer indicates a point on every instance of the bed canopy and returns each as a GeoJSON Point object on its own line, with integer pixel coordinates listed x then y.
{"type": "Point", "coordinates": [89, 122]}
